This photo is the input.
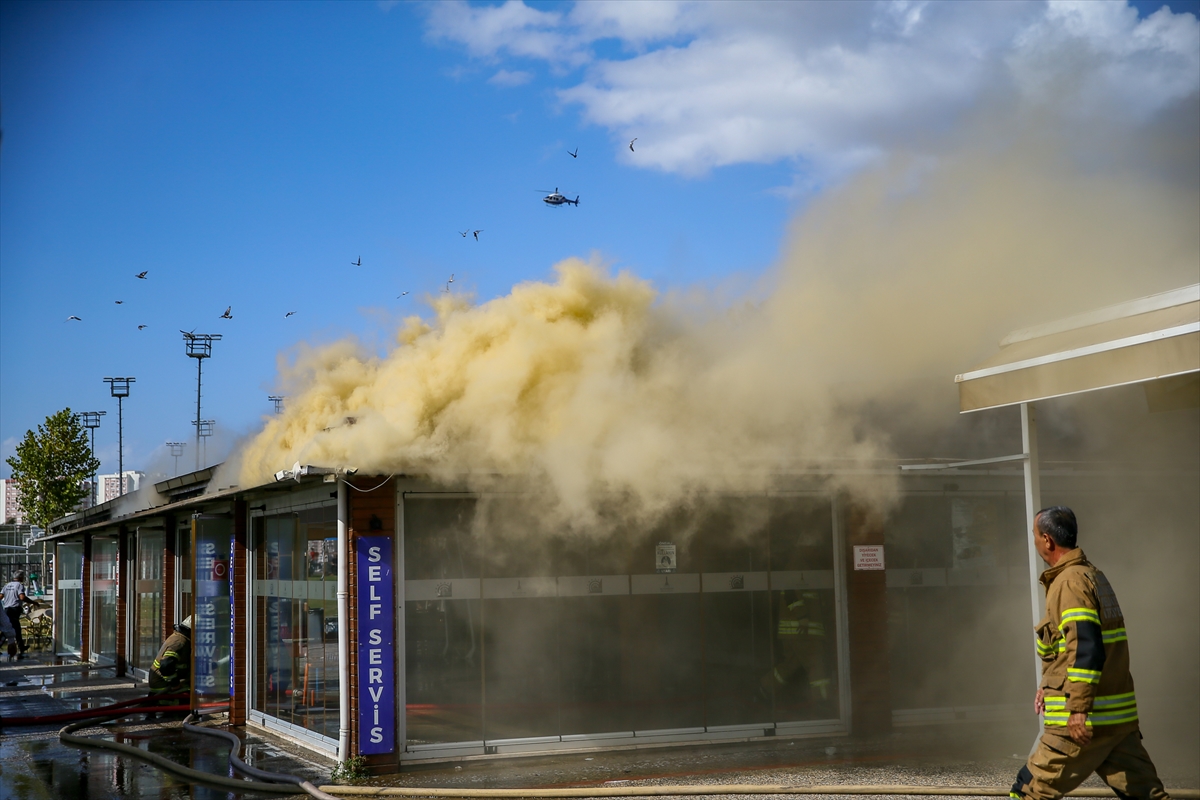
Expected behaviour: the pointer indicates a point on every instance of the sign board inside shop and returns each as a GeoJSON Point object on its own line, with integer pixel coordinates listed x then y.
{"type": "Point", "coordinates": [868, 556]}
{"type": "Point", "coordinates": [376, 646]}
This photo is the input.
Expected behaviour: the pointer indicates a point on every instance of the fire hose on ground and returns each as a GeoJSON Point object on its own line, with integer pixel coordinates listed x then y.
{"type": "Point", "coordinates": [717, 790]}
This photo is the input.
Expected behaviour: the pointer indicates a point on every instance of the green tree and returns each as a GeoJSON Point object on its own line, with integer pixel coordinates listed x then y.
{"type": "Point", "coordinates": [50, 467]}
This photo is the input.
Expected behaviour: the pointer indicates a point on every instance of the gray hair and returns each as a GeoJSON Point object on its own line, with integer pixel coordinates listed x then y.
{"type": "Point", "coordinates": [1058, 522]}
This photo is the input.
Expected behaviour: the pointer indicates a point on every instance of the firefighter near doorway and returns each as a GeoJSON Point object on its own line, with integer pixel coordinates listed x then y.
{"type": "Point", "coordinates": [800, 675]}
{"type": "Point", "coordinates": [170, 672]}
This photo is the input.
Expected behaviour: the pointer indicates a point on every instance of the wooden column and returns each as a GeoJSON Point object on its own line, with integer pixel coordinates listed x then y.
{"type": "Point", "coordinates": [870, 671]}
{"type": "Point", "coordinates": [239, 645]}
{"type": "Point", "coordinates": [372, 513]}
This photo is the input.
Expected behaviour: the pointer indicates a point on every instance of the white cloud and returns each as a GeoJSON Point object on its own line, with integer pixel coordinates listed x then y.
{"type": "Point", "coordinates": [507, 78]}
{"type": "Point", "coordinates": [828, 84]}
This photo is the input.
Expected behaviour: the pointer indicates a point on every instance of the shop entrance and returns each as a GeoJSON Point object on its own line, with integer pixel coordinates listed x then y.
{"type": "Point", "coordinates": [68, 602]}
{"type": "Point", "coordinates": [147, 611]}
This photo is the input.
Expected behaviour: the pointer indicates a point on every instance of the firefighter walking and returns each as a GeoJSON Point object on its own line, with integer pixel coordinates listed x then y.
{"type": "Point", "coordinates": [1086, 692]}
{"type": "Point", "coordinates": [171, 671]}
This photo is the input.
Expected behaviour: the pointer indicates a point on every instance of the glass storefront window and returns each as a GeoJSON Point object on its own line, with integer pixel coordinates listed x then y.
{"type": "Point", "coordinates": [104, 598]}
{"type": "Point", "coordinates": [723, 615]}
{"type": "Point", "coordinates": [956, 563]}
{"type": "Point", "coordinates": [444, 648]}
{"type": "Point", "coordinates": [296, 623]}
{"type": "Point", "coordinates": [68, 604]}
{"type": "Point", "coordinates": [147, 626]}
{"type": "Point", "coordinates": [804, 673]}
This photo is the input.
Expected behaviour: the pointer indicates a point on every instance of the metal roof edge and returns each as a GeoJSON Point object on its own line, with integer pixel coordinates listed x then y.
{"type": "Point", "coordinates": [1129, 308]}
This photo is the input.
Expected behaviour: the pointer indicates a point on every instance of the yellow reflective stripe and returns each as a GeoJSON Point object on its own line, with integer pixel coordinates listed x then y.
{"type": "Point", "coordinates": [1083, 675]}
{"type": "Point", "coordinates": [816, 629]}
{"type": "Point", "coordinates": [1043, 649]}
{"type": "Point", "coordinates": [779, 677]}
{"type": "Point", "coordinates": [1115, 635]}
{"type": "Point", "coordinates": [1079, 615]}
{"type": "Point", "coordinates": [1114, 709]}
{"type": "Point", "coordinates": [1114, 700]}
{"type": "Point", "coordinates": [795, 605]}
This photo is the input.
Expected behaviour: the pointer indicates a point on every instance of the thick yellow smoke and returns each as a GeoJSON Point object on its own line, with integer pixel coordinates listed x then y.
{"type": "Point", "coordinates": [584, 386]}
{"type": "Point", "coordinates": [592, 386]}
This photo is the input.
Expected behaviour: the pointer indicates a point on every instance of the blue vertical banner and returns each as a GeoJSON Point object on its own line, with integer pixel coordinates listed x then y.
{"type": "Point", "coordinates": [211, 624]}
{"type": "Point", "coordinates": [376, 646]}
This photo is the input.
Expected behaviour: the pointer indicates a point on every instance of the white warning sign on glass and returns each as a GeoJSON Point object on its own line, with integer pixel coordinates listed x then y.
{"type": "Point", "coordinates": [868, 556]}
{"type": "Point", "coordinates": [664, 557]}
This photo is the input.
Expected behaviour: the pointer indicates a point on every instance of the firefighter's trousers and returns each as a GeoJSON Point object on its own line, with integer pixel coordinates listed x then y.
{"type": "Point", "coordinates": [1058, 765]}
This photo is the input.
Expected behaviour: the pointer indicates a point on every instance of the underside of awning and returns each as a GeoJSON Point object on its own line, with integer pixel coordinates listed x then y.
{"type": "Point", "coordinates": [1153, 340]}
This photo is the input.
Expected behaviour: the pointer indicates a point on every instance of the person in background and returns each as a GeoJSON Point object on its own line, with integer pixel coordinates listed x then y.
{"type": "Point", "coordinates": [15, 601]}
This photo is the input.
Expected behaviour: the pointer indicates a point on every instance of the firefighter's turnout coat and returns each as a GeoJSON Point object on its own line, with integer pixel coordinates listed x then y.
{"type": "Point", "coordinates": [1084, 650]}
{"type": "Point", "coordinates": [170, 670]}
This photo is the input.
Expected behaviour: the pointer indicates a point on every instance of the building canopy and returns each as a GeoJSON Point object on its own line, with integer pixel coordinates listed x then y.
{"type": "Point", "coordinates": [1153, 340]}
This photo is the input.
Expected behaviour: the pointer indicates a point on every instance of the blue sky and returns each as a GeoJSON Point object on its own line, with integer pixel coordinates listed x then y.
{"type": "Point", "coordinates": [246, 153]}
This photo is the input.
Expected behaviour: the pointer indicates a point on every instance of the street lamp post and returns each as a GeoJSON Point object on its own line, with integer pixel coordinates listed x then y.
{"type": "Point", "coordinates": [119, 388]}
{"type": "Point", "coordinates": [91, 421]}
{"type": "Point", "coordinates": [199, 347]}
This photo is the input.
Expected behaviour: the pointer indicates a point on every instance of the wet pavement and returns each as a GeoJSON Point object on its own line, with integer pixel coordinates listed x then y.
{"type": "Point", "coordinates": [34, 764]}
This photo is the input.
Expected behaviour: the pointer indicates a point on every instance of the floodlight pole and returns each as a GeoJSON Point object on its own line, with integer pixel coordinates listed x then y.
{"type": "Point", "coordinates": [199, 347]}
{"type": "Point", "coordinates": [277, 399]}
{"type": "Point", "coordinates": [176, 452]}
{"type": "Point", "coordinates": [119, 388]}
{"type": "Point", "coordinates": [91, 421]}
{"type": "Point", "coordinates": [204, 429]}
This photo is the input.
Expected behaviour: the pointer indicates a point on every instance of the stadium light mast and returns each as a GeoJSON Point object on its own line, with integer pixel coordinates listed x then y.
{"type": "Point", "coordinates": [199, 347]}
{"type": "Point", "coordinates": [277, 399]}
{"type": "Point", "coordinates": [91, 421]}
{"type": "Point", "coordinates": [176, 452]}
{"type": "Point", "coordinates": [204, 429]}
{"type": "Point", "coordinates": [119, 388]}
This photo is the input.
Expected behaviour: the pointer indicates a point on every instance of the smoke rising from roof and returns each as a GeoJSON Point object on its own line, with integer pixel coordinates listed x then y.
{"type": "Point", "coordinates": [595, 384]}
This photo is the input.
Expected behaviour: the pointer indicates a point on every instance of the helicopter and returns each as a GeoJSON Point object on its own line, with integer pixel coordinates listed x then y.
{"type": "Point", "coordinates": [556, 199]}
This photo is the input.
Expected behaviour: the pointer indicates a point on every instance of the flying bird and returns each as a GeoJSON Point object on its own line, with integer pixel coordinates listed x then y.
{"type": "Point", "coordinates": [120, 302]}
{"type": "Point", "coordinates": [189, 334]}
{"type": "Point", "coordinates": [142, 274]}
{"type": "Point", "coordinates": [357, 263]}
{"type": "Point", "coordinates": [575, 154]}
{"type": "Point", "coordinates": [228, 313]}
{"type": "Point", "coordinates": [73, 317]}
{"type": "Point", "coordinates": [142, 327]}
{"type": "Point", "coordinates": [451, 278]}
{"type": "Point", "coordinates": [477, 234]}
{"type": "Point", "coordinates": [401, 295]}
{"type": "Point", "coordinates": [631, 141]}
{"type": "Point", "coordinates": [288, 314]}
{"type": "Point", "coordinates": [465, 233]}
